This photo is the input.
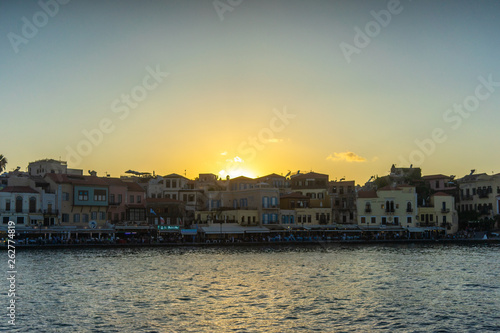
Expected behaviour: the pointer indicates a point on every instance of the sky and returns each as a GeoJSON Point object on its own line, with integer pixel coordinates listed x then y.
{"type": "Point", "coordinates": [243, 87]}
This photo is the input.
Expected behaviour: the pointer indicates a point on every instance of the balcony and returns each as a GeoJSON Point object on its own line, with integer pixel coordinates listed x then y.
{"type": "Point", "coordinates": [409, 210]}
{"type": "Point", "coordinates": [466, 197]}
{"type": "Point", "coordinates": [445, 210]}
{"type": "Point", "coordinates": [50, 212]}
{"type": "Point", "coordinates": [483, 195]}
{"type": "Point", "coordinates": [368, 210]}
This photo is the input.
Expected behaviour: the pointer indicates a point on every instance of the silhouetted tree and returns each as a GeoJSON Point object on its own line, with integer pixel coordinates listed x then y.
{"type": "Point", "coordinates": [3, 162]}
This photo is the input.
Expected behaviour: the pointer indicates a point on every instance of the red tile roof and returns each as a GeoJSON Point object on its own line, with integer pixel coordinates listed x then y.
{"type": "Point", "coordinates": [96, 181]}
{"type": "Point", "coordinates": [77, 180]}
{"type": "Point", "coordinates": [441, 194]}
{"type": "Point", "coordinates": [19, 189]}
{"type": "Point", "coordinates": [273, 175]}
{"type": "Point", "coordinates": [309, 175]}
{"type": "Point", "coordinates": [241, 178]}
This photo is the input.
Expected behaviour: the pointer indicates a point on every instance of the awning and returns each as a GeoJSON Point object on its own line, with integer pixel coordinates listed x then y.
{"type": "Point", "coordinates": [416, 229]}
{"type": "Point", "coordinates": [223, 228]}
{"type": "Point", "coordinates": [191, 232]}
{"type": "Point", "coordinates": [383, 228]}
{"type": "Point", "coordinates": [256, 230]}
{"type": "Point", "coordinates": [434, 229]}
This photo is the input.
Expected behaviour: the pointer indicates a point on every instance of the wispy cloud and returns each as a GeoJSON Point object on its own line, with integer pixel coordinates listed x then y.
{"type": "Point", "coordinates": [274, 140]}
{"type": "Point", "coordinates": [237, 159]}
{"type": "Point", "coordinates": [347, 156]}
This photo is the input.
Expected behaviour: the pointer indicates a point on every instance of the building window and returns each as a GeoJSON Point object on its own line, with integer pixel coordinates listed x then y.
{"type": "Point", "coordinates": [136, 214]}
{"type": "Point", "coordinates": [363, 219]}
{"type": "Point", "coordinates": [65, 218]}
{"type": "Point", "coordinates": [120, 198]}
{"type": "Point", "coordinates": [7, 205]}
{"type": "Point", "coordinates": [65, 196]}
{"type": "Point", "coordinates": [111, 198]}
{"type": "Point", "coordinates": [139, 199]}
{"type": "Point", "coordinates": [19, 205]}
{"type": "Point", "coordinates": [102, 215]}
{"type": "Point", "coordinates": [6, 220]}
{"type": "Point", "coordinates": [265, 202]}
{"type": "Point", "coordinates": [85, 218]}
{"type": "Point", "coordinates": [309, 218]}
{"type": "Point", "coordinates": [373, 219]}
{"type": "Point", "coordinates": [396, 220]}
{"type": "Point", "coordinates": [174, 183]}
{"type": "Point", "coordinates": [76, 218]}
{"type": "Point", "coordinates": [384, 220]}
{"type": "Point", "coordinates": [83, 195]}
{"type": "Point", "coordinates": [99, 195]}
{"type": "Point", "coordinates": [131, 199]}
{"type": "Point", "coordinates": [408, 219]}
{"type": "Point", "coordinates": [32, 205]}
{"type": "Point", "coordinates": [20, 220]}
{"type": "Point", "coordinates": [93, 215]}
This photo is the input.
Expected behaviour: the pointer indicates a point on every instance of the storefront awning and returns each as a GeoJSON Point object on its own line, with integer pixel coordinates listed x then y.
{"type": "Point", "coordinates": [223, 228]}
{"type": "Point", "coordinates": [256, 230]}
{"type": "Point", "coordinates": [191, 232]}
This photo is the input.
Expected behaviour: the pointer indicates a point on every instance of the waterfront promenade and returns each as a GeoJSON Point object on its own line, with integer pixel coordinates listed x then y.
{"type": "Point", "coordinates": [44, 244]}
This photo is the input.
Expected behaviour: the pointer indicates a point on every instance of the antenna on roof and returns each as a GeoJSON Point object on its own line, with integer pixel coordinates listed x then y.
{"type": "Point", "coordinates": [472, 171]}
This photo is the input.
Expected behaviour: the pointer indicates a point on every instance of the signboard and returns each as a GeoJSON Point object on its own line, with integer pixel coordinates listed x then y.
{"type": "Point", "coordinates": [168, 228]}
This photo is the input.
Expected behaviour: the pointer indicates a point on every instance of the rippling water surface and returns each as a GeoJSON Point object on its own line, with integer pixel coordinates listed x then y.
{"type": "Point", "coordinates": [409, 288]}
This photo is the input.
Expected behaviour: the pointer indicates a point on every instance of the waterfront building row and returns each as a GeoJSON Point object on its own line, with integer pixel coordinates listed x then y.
{"type": "Point", "coordinates": [67, 200]}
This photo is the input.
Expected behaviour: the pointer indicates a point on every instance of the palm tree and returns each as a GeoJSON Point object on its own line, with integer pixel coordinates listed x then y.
{"type": "Point", "coordinates": [3, 162]}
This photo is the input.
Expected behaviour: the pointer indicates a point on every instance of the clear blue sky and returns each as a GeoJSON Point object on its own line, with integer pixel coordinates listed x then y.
{"type": "Point", "coordinates": [226, 76]}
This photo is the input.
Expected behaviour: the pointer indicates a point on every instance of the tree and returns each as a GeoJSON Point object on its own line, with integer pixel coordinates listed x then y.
{"type": "Point", "coordinates": [3, 162]}
{"type": "Point", "coordinates": [381, 181]}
